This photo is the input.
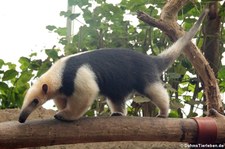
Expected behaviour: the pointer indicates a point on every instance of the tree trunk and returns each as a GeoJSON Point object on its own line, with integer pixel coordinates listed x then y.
{"type": "Point", "coordinates": [210, 47]}
{"type": "Point", "coordinates": [168, 24]}
{"type": "Point", "coordinates": [211, 32]}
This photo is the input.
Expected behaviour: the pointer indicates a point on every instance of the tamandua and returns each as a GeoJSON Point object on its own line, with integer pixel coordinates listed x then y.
{"type": "Point", "coordinates": [73, 82]}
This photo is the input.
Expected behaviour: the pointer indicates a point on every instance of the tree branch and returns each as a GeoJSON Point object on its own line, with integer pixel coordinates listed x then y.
{"type": "Point", "coordinates": [168, 24]}
{"type": "Point", "coordinates": [104, 129]}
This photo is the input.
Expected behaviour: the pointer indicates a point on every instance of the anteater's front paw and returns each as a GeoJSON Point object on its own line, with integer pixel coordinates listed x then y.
{"type": "Point", "coordinates": [117, 114]}
{"type": "Point", "coordinates": [60, 116]}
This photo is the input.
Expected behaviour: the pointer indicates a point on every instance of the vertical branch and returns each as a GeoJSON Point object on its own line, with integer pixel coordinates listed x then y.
{"type": "Point", "coordinates": [69, 24]}
{"type": "Point", "coordinates": [211, 33]}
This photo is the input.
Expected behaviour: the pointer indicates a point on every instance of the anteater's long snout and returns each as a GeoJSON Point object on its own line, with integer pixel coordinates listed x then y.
{"type": "Point", "coordinates": [26, 111]}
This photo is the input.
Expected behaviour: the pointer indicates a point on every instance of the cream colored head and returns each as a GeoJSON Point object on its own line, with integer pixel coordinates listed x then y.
{"type": "Point", "coordinates": [43, 89]}
{"type": "Point", "coordinates": [37, 95]}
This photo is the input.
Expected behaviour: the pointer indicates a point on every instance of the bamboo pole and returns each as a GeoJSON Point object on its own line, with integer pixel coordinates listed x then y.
{"type": "Point", "coordinates": [104, 129]}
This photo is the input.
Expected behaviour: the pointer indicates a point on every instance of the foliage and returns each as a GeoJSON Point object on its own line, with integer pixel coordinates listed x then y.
{"type": "Point", "coordinates": [16, 79]}
{"type": "Point", "coordinates": [108, 25]}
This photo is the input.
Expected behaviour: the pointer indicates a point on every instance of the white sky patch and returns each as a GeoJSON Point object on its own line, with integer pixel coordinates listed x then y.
{"type": "Point", "coordinates": [114, 2]}
{"type": "Point", "coordinates": [50, 105]}
{"type": "Point", "coordinates": [132, 18]}
{"type": "Point", "coordinates": [23, 26]}
{"type": "Point", "coordinates": [223, 58]}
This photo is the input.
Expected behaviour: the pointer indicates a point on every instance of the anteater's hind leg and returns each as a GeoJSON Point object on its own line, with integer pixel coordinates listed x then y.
{"type": "Point", "coordinates": [117, 108]}
{"type": "Point", "coordinates": [159, 96]}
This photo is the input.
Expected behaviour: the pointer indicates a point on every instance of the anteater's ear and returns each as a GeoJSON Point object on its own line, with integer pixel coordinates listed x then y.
{"type": "Point", "coordinates": [45, 88]}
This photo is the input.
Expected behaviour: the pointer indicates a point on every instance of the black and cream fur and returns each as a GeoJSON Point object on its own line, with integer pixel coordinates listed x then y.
{"type": "Point", "coordinates": [73, 82]}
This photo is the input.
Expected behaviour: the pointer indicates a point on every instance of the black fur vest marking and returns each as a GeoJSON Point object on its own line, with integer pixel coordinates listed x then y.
{"type": "Point", "coordinates": [118, 71]}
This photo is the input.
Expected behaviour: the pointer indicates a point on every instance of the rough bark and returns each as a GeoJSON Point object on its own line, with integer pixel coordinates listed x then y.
{"type": "Point", "coordinates": [40, 113]}
{"type": "Point", "coordinates": [168, 24]}
{"type": "Point", "coordinates": [103, 129]}
{"type": "Point", "coordinates": [211, 32]}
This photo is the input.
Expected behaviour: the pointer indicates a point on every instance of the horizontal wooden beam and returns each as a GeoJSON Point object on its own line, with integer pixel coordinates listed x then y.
{"type": "Point", "coordinates": [102, 129]}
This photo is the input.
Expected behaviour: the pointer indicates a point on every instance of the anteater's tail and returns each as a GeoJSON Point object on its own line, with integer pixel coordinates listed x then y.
{"type": "Point", "coordinates": [167, 57]}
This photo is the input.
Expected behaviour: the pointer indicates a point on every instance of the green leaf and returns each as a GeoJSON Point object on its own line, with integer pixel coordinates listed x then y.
{"type": "Point", "coordinates": [24, 78]}
{"type": "Point", "coordinates": [174, 75]}
{"type": "Point", "coordinates": [9, 74]}
{"type": "Point", "coordinates": [51, 27]}
{"type": "Point", "coordinates": [3, 86]}
{"type": "Point", "coordinates": [33, 54]}
{"type": "Point", "coordinates": [63, 41]}
{"type": "Point", "coordinates": [11, 65]}
{"type": "Point", "coordinates": [176, 105]}
{"type": "Point", "coordinates": [25, 62]}
{"type": "Point", "coordinates": [65, 13]}
{"type": "Point", "coordinates": [193, 102]}
{"type": "Point", "coordinates": [1, 63]}
{"type": "Point", "coordinates": [185, 63]}
{"type": "Point", "coordinates": [74, 16]}
{"type": "Point", "coordinates": [190, 20]}
{"type": "Point", "coordinates": [193, 114]}
{"type": "Point", "coordinates": [180, 69]}
{"type": "Point", "coordinates": [221, 73]}
{"type": "Point", "coordinates": [44, 67]}
{"type": "Point", "coordinates": [170, 88]}
{"type": "Point", "coordinates": [61, 31]}
{"type": "Point", "coordinates": [90, 113]}
{"type": "Point", "coordinates": [173, 113]}
{"type": "Point", "coordinates": [141, 99]}
{"type": "Point", "coordinates": [52, 53]}
{"type": "Point", "coordinates": [35, 64]}
{"type": "Point", "coordinates": [79, 3]}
